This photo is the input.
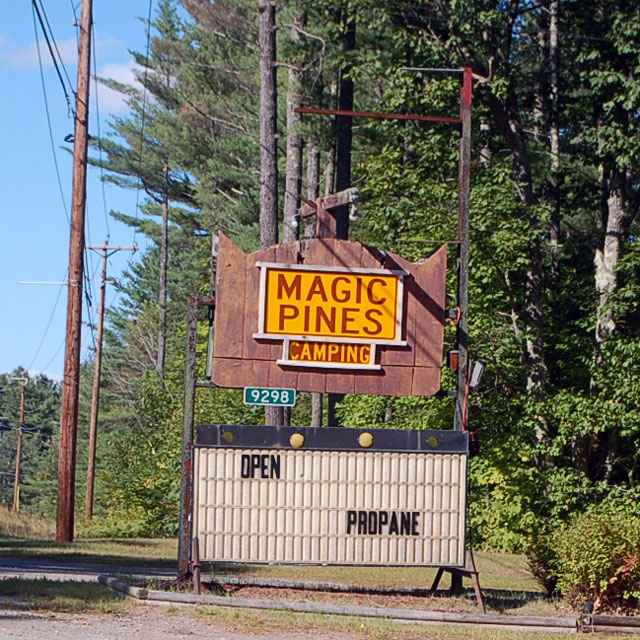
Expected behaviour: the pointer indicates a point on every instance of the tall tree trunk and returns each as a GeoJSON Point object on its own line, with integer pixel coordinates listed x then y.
{"type": "Point", "coordinates": [330, 167]}
{"type": "Point", "coordinates": [601, 448]}
{"type": "Point", "coordinates": [554, 55]}
{"type": "Point", "coordinates": [344, 130]}
{"type": "Point", "coordinates": [162, 294]}
{"type": "Point", "coordinates": [606, 259]}
{"type": "Point", "coordinates": [294, 145]}
{"type": "Point", "coordinates": [507, 117]}
{"type": "Point", "coordinates": [268, 126]}
{"type": "Point", "coordinates": [313, 192]}
{"type": "Point", "coordinates": [344, 138]}
{"type": "Point", "coordinates": [268, 146]}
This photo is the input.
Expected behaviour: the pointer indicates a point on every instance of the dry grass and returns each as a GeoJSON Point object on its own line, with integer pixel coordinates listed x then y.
{"type": "Point", "coordinates": [25, 525]}
{"type": "Point", "coordinates": [28, 535]}
{"type": "Point", "coordinates": [272, 623]}
{"type": "Point", "coordinates": [60, 596]}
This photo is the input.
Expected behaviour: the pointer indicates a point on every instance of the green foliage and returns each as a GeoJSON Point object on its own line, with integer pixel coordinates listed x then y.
{"type": "Point", "coordinates": [548, 451]}
{"type": "Point", "coordinates": [598, 559]}
{"type": "Point", "coordinates": [42, 416]}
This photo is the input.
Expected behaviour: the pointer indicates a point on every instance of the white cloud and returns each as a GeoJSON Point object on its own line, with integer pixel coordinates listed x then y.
{"type": "Point", "coordinates": [34, 373]}
{"type": "Point", "coordinates": [111, 101]}
{"type": "Point", "coordinates": [27, 57]}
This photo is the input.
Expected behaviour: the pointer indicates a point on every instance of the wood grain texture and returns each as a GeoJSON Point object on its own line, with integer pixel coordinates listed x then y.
{"type": "Point", "coordinates": [228, 340]}
{"type": "Point", "coordinates": [240, 360]}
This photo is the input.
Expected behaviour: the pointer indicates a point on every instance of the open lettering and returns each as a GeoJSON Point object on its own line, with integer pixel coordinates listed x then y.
{"type": "Point", "coordinates": [259, 466]}
{"type": "Point", "coordinates": [398, 523]}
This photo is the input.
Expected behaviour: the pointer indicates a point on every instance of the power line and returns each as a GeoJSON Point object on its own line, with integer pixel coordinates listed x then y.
{"type": "Point", "coordinates": [46, 106]}
{"type": "Point", "coordinates": [53, 58]}
{"type": "Point", "coordinates": [55, 44]}
{"type": "Point", "coordinates": [44, 335]}
{"type": "Point", "coordinates": [95, 80]}
{"type": "Point", "coordinates": [53, 357]}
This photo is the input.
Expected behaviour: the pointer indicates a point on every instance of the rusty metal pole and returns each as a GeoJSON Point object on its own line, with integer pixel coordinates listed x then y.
{"type": "Point", "coordinates": [186, 490]}
{"type": "Point", "coordinates": [464, 186]}
{"type": "Point", "coordinates": [95, 398]}
{"type": "Point", "coordinates": [16, 482]}
{"type": "Point", "coordinates": [71, 384]}
{"type": "Point", "coordinates": [464, 176]}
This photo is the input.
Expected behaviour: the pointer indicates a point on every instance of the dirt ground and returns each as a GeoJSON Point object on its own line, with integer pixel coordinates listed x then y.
{"type": "Point", "coordinates": [137, 623]}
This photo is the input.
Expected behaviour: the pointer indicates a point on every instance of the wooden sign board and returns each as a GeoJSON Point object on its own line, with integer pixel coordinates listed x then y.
{"type": "Point", "coordinates": [330, 495]}
{"type": "Point", "coordinates": [329, 316]}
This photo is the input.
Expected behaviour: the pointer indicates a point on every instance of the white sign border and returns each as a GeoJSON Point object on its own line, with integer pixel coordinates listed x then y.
{"type": "Point", "coordinates": [372, 366]}
{"type": "Point", "coordinates": [265, 266]}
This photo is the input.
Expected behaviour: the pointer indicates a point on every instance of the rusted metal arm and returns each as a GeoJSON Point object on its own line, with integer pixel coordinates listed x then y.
{"type": "Point", "coordinates": [328, 202]}
{"type": "Point", "coordinates": [379, 116]}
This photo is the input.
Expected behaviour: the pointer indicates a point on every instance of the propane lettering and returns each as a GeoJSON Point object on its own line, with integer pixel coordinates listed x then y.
{"type": "Point", "coordinates": [398, 523]}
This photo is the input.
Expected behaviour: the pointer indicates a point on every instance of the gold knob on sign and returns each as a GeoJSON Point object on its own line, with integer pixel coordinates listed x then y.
{"type": "Point", "coordinates": [296, 440]}
{"type": "Point", "coordinates": [227, 436]}
{"type": "Point", "coordinates": [365, 440]}
{"type": "Point", "coordinates": [433, 441]}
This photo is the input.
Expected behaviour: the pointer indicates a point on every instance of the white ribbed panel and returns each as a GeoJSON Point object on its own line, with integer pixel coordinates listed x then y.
{"type": "Point", "coordinates": [302, 516]}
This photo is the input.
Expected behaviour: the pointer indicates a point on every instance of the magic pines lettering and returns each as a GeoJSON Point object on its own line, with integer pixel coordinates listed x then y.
{"type": "Point", "coordinates": [398, 523]}
{"type": "Point", "coordinates": [331, 304]}
{"type": "Point", "coordinates": [259, 466]}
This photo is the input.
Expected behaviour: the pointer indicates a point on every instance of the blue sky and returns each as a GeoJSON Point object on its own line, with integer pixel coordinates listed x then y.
{"type": "Point", "coordinates": [34, 236]}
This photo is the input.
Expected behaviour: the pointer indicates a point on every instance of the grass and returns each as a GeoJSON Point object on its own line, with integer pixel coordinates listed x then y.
{"type": "Point", "coordinates": [505, 579]}
{"type": "Point", "coordinates": [28, 535]}
{"type": "Point", "coordinates": [506, 582]}
{"type": "Point", "coordinates": [272, 622]}
{"type": "Point", "coordinates": [139, 552]}
{"type": "Point", "coordinates": [25, 525]}
{"type": "Point", "coordinates": [497, 571]}
{"type": "Point", "coordinates": [60, 596]}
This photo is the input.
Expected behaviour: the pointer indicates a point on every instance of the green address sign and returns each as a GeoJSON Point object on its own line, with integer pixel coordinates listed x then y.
{"type": "Point", "coordinates": [270, 397]}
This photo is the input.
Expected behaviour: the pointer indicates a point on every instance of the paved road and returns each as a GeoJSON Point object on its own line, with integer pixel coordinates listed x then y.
{"type": "Point", "coordinates": [79, 571]}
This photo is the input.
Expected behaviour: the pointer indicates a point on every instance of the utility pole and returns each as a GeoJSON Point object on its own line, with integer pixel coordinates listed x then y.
{"type": "Point", "coordinates": [107, 251]}
{"type": "Point", "coordinates": [16, 482]}
{"type": "Point", "coordinates": [71, 384]}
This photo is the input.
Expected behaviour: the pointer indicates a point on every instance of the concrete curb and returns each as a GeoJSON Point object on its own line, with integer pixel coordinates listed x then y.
{"type": "Point", "coordinates": [528, 623]}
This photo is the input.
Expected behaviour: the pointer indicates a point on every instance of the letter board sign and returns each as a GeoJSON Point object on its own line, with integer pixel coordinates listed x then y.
{"type": "Point", "coordinates": [330, 495]}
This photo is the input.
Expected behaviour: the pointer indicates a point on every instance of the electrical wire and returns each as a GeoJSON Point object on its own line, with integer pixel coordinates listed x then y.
{"type": "Point", "coordinates": [88, 299]}
{"type": "Point", "coordinates": [56, 47]}
{"type": "Point", "coordinates": [53, 357]}
{"type": "Point", "coordinates": [95, 80]}
{"type": "Point", "coordinates": [55, 62]}
{"type": "Point", "coordinates": [46, 107]}
{"type": "Point", "coordinates": [44, 335]}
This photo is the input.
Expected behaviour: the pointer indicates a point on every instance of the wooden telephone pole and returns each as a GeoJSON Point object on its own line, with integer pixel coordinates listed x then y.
{"type": "Point", "coordinates": [71, 384]}
{"type": "Point", "coordinates": [107, 251]}
{"type": "Point", "coordinates": [16, 482]}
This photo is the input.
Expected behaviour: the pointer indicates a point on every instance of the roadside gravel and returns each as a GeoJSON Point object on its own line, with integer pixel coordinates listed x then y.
{"type": "Point", "coordinates": [141, 623]}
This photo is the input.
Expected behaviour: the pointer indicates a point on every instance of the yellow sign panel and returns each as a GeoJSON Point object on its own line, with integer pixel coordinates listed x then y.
{"type": "Point", "coordinates": [340, 355]}
{"type": "Point", "coordinates": [331, 303]}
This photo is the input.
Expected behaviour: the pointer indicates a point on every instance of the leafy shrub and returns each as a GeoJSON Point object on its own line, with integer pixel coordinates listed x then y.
{"type": "Point", "coordinates": [541, 558]}
{"type": "Point", "coordinates": [597, 558]}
